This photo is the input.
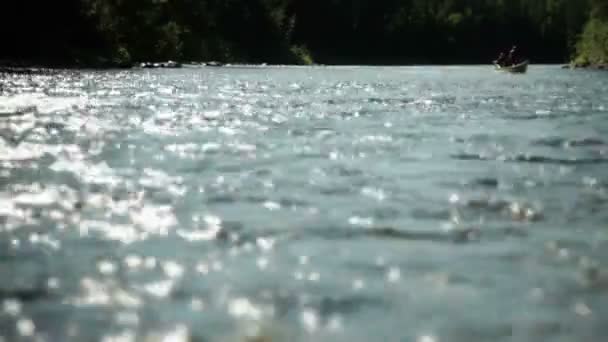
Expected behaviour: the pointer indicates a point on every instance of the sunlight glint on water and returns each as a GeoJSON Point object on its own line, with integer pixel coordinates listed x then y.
{"type": "Point", "coordinates": [286, 203]}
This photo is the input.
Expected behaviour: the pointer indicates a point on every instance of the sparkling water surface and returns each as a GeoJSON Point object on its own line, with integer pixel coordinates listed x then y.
{"type": "Point", "coordinates": [422, 204]}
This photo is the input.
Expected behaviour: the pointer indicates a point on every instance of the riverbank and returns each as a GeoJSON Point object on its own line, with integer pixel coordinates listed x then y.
{"type": "Point", "coordinates": [38, 68]}
{"type": "Point", "coordinates": [587, 66]}
{"type": "Point", "coordinates": [23, 66]}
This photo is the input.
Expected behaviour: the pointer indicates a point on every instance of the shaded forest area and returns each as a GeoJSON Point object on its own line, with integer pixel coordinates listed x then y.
{"type": "Point", "coordinates": [119, 32]}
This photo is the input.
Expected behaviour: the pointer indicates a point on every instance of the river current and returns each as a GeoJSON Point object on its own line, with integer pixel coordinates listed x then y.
{"type": "Point", "coordinates": [424, 204]}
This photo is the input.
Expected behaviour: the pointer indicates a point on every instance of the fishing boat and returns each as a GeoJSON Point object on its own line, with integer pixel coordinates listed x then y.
{"type": "Point", "coordinates": [520, 68]}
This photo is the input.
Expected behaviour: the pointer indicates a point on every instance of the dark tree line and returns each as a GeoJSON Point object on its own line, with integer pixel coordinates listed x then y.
{"type": "Point", "coordinates": [439, 31]}
{"type": "Point", "coordinates": [111, 32]}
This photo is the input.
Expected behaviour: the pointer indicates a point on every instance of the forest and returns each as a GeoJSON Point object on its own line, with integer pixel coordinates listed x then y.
{"type": "Point", "coordinates": [110, 33]}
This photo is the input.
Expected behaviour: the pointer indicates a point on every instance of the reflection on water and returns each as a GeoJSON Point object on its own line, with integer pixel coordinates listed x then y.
{"type": "Point", "coordinates": [327, 204]}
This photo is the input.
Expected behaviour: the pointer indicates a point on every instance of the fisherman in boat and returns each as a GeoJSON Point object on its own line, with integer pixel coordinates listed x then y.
{"type": "Point", "coordinates": [512, 58]}
{"type": "Point", "coordinates": [500, 61]}
{"type": "Point", "coordinates": [512, 62]}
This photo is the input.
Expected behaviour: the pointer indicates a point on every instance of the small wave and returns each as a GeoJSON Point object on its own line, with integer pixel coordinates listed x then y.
{"type": "Point", "coordinates": [528, 117]}
{"type": "Point", "coordinates": [18, 111]}
{"type": "Point", "coordinates": [470, 156]}
{"type": "Point", "coordinates": [559, 161]}
{"type": "Point", "coordinates": [486, 182]}
{"type": "Point", "coordinates": [514, 210]}
{"type": "Point", "coordinates": [337, 191]}
{"type": "Point", "coordinates": [25, 295]}
{"type": "Point", "coordinates": [391, 233]}
{"type": "Point", "coordinates": [328, 307]}
{"type": "Point", "coordinates": [558, 142]}
{"type": "Point", "coordinates": [238, 234]}
{"type": "Point", "coordinates": [444, 99]}
{"type": "Point", "coordinates": [39, 103]}
{"type": "Point", "coordinates": [521, 158]}
{"type": "Point", "coordinates": [26, 286]}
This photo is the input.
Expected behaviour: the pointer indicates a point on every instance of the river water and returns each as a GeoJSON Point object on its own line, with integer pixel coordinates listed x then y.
{"type": "Point", "coordinates": [304, 204]}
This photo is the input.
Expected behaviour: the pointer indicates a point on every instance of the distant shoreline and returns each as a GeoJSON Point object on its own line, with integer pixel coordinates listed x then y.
{"type": "Point", "coordinates": [587, 66]}
{"type": "Point", "coordinates": [37, 68]}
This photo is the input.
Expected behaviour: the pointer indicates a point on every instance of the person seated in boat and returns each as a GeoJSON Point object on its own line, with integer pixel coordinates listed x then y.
{"type": "Point", "coordinates": [500, 61]}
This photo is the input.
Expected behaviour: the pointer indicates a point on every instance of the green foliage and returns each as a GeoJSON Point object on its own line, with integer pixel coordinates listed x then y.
{"type": "Point", "coordinates": [122, 57]}
{"type": "Point", "coordinates": [302, 55]}
{"type": "Point", "coordinates": [438, 31]}
{"type": "Point", "coordinates": [455, 19]}
{"type": "Point", "coordinates": [169, 44]}
{"type": "Point", "coordinates": [593, 46]}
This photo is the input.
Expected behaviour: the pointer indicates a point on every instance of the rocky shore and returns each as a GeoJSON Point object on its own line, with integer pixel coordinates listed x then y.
{"type": "Point", "coordinates": [588, 66]}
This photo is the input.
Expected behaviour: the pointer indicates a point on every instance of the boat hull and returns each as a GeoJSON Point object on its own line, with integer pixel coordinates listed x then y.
{"type": "Point", "coordinates": [514, 69]}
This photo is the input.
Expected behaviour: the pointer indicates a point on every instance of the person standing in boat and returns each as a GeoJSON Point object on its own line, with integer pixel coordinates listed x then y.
{"type": "Point", "coordinates": [512, 58]}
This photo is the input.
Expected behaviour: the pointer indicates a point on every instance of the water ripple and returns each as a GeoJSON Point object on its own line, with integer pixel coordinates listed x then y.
{"type": "Point", "coordinates": [303, 203]}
